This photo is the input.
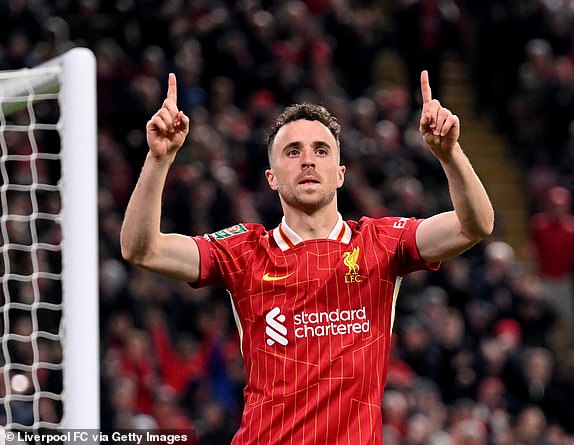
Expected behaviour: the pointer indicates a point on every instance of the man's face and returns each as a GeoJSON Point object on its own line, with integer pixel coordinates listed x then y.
{"type": "Point", "coordinates": [305, 166]}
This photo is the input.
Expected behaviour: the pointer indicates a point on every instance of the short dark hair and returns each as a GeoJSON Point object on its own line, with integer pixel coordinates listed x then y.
{"type": "Point", "coordinates": [309, 112]}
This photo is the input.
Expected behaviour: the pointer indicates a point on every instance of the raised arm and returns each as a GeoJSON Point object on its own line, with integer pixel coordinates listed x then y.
{"type": "Point", "coordinates": [142, 243]}
{"type": "Point", "coordinates": [451, 233]}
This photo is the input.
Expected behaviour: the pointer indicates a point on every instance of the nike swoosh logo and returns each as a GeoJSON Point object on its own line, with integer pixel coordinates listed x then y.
{"type": "Point", "coordinates": [268, 277]}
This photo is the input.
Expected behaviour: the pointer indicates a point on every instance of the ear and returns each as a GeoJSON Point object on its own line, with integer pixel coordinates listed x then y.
{"type": "Point", "coordinates": [271, 180]}
{"type": "Point", "coordinates": [341, 176]}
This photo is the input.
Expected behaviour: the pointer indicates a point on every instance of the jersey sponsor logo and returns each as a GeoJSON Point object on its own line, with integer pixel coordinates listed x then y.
{"type": "Point", "coordinates": [229, 231]}
{"type": "Point", "coordinates": [316, 324]}
{"type": "Point", "coordinates": [350, 259]}
{"type": "Point", "coordinates": [400, 223]}
{"type": "Point", "coordinates": [275, 329]}
{"type": "Point", "coordinates": [268, 277]}
{"type": "Point", "coordinates": [337, 322]}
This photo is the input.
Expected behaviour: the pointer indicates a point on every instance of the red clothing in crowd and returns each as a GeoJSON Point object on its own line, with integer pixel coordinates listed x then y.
{"type": "Point", "coordinates": [553, 236]}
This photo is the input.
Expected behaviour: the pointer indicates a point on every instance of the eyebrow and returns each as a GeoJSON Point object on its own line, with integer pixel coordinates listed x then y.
{"type": "Point", "coordinates": [298, 144]}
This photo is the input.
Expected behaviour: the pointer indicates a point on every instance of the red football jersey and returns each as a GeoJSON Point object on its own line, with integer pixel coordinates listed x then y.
{"type": "Point", "coordinates": [315, 320]}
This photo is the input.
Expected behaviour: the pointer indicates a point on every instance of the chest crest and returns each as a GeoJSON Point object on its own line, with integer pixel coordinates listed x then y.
{"type": "Point", "coordinates": [351, 260]}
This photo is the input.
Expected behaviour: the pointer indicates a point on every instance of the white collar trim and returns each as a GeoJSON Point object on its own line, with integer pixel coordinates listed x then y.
{"type": "Point", "coordinates": [286, 237]}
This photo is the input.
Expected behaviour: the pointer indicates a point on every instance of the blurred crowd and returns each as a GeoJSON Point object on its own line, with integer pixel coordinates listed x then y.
{"type": "Point", "coordinates": [484, 348]}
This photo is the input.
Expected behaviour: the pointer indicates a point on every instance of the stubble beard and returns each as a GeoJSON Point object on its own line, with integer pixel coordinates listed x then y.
{"type": "Point", "coordinates": [308, 202]}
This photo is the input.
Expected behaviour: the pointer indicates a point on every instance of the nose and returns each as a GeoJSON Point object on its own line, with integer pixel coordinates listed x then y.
{"type": "Point", "coordinates": [307, 161]}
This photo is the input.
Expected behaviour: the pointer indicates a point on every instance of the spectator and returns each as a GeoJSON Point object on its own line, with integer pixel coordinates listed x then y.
{"type": "Point", "coordinates": [553, 243]}
{"type": "Point", "coordinates": [536, 384]}
{"type": "Point", "coordinates": [424, 30]}
{"type": "Point", "coordinates": [530, 426]}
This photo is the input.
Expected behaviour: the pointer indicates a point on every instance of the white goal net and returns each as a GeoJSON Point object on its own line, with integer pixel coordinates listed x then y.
{"type": "Point", "coordinates": [49, 362]}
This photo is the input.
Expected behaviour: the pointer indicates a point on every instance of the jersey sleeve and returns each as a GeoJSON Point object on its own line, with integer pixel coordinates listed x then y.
{"type": "Point", "coordinates": [224, 255]}
{"type": "Point", "coordinates": [402, 232]}
{"type": "Point", "coordinates": [207, 266]}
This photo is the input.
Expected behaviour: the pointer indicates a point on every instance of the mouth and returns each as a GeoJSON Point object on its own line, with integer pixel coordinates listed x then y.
{"type": "Point", "coordinates": [308, 180]}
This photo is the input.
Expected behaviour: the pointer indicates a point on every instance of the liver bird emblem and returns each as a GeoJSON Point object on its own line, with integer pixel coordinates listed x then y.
{"type": "Point", "coordinates": [350, 260]}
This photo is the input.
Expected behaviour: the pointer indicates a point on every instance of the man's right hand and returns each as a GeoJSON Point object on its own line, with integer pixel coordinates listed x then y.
{"type": "Point", "coordinates": [168, 128]}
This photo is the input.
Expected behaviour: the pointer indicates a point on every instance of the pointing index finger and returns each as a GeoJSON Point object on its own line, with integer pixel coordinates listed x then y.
{"type": "Point", "coordinates": [172, 88]}
{"type": "Point", "coordinates": [425, 87]}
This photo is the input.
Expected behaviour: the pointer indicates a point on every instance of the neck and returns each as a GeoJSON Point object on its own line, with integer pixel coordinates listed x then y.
{"type": "Point", "coordinates": [318, 224]}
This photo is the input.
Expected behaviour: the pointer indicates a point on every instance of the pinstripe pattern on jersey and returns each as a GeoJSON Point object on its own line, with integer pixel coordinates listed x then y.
{"type": "Point", "coordinates": [324, 383]}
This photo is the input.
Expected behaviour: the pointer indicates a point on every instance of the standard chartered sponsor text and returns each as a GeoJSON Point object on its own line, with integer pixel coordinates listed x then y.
{"type": "Point", "coordinates": [337, 322]}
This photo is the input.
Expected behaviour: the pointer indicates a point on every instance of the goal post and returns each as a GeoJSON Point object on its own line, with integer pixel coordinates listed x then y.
{"type": "Point", "coordinates": [49, 312]}
{"type": "Point", "coordinates": [80, 254]}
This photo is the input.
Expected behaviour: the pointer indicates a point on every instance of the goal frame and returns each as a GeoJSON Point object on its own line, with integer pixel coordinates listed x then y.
{"type": "Point", "coordinates": [75, 82]}
{"type": "Point", "coordinates": [80, 246]}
